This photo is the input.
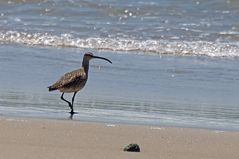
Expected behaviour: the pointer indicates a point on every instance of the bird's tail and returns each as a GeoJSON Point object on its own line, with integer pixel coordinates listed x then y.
{"type": "Point", "coordinates": [51, 88]}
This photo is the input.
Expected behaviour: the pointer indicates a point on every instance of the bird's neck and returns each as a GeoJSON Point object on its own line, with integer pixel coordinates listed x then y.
{"type": "Point", "coordinates": [85, 65]}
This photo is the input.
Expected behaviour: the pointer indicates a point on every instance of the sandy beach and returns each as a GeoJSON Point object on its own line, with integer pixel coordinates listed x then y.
{"type": "Point", "coordinates": [25, 138]}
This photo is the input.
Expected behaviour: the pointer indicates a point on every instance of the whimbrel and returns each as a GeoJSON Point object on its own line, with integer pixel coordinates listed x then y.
{"type": "Point", "coordinates": [74, 81]}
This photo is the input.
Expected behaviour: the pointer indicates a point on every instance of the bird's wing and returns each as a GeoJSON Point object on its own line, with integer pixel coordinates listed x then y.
{"type": "Point", "coordinates": [69, 78]}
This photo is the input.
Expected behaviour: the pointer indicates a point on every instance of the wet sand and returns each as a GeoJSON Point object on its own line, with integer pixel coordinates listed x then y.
{"type": "Point", "coordinates": [25, 138]}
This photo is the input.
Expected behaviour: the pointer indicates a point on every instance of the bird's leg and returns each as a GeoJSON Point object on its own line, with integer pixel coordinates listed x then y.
{"type": "Point", "coordinates": [73, 98]}
{"type": "Point", "coordinates": [72, 102]}
{"type": "Point", "coordinates": [69, 103]}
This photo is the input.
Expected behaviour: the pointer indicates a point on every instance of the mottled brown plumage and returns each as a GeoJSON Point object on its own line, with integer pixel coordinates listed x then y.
{"type": "Point", "coordinates": [70, 82]}
{"type": "Point", "coordinates": [74, 81]}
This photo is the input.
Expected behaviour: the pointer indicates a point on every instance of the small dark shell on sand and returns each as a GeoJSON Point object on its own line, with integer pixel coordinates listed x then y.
{"type": "Point", "coordinates": [132, 148]}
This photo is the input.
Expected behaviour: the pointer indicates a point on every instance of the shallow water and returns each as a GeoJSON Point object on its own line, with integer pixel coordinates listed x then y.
{"type": "Point", "coordinates": [175, 63]}
{"type": "Point", "coordinates": [157, 90]}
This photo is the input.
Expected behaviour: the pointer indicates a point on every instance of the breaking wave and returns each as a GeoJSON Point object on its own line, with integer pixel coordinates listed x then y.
{"type": "Point", "coordinates": [213, 49]}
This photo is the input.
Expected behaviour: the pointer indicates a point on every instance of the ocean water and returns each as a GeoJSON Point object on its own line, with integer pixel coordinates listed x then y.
{"type": "Point", "coordinates": [175, 63]}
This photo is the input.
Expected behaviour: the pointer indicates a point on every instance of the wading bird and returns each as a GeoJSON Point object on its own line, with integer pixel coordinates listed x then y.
{"type": "Point", "coordinates": [74, 81]}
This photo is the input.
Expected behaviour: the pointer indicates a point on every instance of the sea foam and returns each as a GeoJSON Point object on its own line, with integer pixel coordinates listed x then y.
{"type": "Point", "coordinates": [173, 47]}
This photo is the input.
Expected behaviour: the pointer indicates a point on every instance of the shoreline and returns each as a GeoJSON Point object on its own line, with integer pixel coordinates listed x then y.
{"type": "Point", "coordinates": [50, 138]}
{"type": "Point", "coordinates": [113, 122]}
{"type": "Point", "coordinates": [63, 117]}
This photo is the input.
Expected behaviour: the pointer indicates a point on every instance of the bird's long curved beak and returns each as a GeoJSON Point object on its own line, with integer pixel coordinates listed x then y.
{"type": "Point", "coordinates": [98, 57]}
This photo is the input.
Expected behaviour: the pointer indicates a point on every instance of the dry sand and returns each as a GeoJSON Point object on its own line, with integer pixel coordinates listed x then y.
{"type": "Point", "coordinates": [48, 139]}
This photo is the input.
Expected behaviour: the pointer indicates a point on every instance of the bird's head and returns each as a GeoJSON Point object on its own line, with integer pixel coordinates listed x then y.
{"type": "Point", "coordinates": [88, 56]}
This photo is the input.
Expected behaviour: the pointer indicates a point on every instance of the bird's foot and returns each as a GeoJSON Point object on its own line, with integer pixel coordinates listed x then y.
{"type": "Point", "coordinates": [72, 112]}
